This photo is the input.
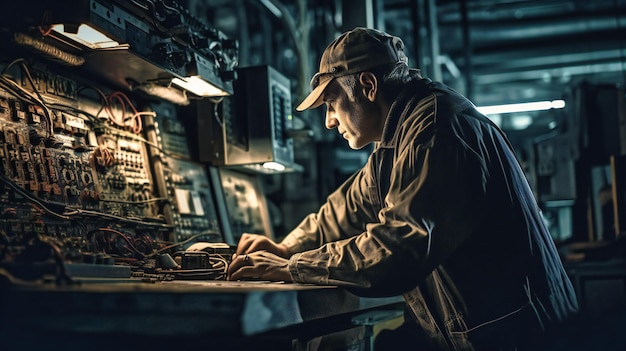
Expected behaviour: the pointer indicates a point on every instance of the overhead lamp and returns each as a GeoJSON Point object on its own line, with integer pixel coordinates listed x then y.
{"type": "Point", "coordinates": [522, 107]}
{"type": "Point", "coordinates": [118, 41]}
{"type": "Point", "coordinates": [202, 78]}
{"type": "Point", "coordinates": [86, 35]}
{"type": "Point", "coordinates": [199, 86]}
{"type": "Point", "coordinates": [199, 70]}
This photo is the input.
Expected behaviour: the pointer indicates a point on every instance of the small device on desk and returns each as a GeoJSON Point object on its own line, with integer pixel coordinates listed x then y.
{"type": "Point", "coordinates": [200, 261]}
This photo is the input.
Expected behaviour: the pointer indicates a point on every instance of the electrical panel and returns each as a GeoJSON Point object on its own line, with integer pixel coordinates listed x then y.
{"type": "Point", "coordinates": [73, 175]}
{"type": "Point", "coordinates": [250, 128]}
{"type": "Point", "coordinates": [96, 174]}
{"type": "Point", "coordinates": [190, 205]}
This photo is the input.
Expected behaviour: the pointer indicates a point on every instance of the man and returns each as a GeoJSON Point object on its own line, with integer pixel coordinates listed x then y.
{"type": "Point", "coordinates": [441, 213]}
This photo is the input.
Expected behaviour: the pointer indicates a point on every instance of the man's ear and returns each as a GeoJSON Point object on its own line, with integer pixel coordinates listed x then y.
{"type": "Point", "coordinates": [369, 85]}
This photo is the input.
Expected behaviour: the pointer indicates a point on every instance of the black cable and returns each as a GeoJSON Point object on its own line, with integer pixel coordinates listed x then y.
{"type": "Point", "coordinates": [154, 199]}
{"type": "Point", "coordinates": [20, 92]}
{"type": "Point", "coordinates": [31, 197]}
{"type": "Point", "coordinates": [4, 70]}
{"type": "Point", "coordinates": [62, 276]}
{"type": "Point", "coordinates": [76, 212]}
{"type": "Point", "coordinates": [120, 234]}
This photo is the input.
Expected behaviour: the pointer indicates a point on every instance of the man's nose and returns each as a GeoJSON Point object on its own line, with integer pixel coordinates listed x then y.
{"type": "Point", "coordinates": [331, 121]}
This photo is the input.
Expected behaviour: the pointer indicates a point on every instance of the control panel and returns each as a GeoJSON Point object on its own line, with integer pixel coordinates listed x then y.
{"type": "Point", "coordinates": [97, 166]}
{"type": "Point", "coordinates": [190, 205]}
{"type": "Point", "coordinates": [102, 178]}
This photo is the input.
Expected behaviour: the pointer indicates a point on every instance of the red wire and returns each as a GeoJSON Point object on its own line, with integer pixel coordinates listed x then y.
{"type": "Point", "coordinates": [136, 124]}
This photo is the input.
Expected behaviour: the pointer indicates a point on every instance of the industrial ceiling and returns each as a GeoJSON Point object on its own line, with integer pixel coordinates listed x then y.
{"type": "Point", "coordinates": [493, 51]}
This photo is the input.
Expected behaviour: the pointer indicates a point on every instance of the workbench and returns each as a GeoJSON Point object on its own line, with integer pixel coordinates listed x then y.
{"type": "Point", "coordinates": [137, 315]}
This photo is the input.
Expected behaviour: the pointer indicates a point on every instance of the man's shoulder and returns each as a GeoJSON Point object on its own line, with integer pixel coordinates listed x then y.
{"type": "Point", "coordinates": [449, 98]}
{"type": "Point", "coordinates": [440, 110]}
{"type": "Point", "coordinates": [424, 107]}
{"type": "Point", "coordinates": [427, 96]}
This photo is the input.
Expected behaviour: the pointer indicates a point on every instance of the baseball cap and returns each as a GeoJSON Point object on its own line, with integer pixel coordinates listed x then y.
{"type": "Point", "coordinates": [354, 51]}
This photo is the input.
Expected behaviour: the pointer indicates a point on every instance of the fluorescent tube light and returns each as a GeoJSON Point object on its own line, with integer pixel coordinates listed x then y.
{"type": "Point", "coordinates": [522, 107]}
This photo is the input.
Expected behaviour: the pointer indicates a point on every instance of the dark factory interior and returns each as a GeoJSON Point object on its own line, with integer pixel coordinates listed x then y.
{"type": "Point", "coordinates": [124, 190]}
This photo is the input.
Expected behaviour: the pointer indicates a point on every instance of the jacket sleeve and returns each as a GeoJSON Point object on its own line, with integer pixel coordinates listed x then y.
{"type": "Point", "coordinates": [346, 212]}
{"type": "Point", "coordinates": [434, 202]}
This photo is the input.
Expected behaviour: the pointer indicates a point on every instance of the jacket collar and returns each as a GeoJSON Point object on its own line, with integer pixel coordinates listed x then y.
{"type": "Point", "coordinates": [414, 91]}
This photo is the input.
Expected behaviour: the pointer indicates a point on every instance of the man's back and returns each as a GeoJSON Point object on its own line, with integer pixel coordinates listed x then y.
{"type": "Point", "coordinates": [506, 279]}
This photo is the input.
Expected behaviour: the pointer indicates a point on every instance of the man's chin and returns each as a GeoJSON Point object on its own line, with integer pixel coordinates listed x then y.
{"type": "Point", "coordinates": [355, 145]}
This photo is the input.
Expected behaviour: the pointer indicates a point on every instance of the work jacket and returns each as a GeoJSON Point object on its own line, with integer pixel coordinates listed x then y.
{"type": "Point", "coordinates": [443, 215]}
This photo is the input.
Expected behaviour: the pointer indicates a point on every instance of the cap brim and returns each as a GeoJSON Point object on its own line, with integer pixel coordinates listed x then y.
{"type": "Point", "coordinates": [315, 97]}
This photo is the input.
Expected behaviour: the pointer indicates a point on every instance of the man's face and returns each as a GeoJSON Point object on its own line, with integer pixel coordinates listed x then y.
{"type": "Point", "coordinates": [356, 118]}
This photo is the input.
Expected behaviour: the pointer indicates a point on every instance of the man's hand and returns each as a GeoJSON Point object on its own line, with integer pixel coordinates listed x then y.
{"type": "Point", "coordinates": [259, 265]}
{"type": "Point", "coordinates": [255, 242]}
